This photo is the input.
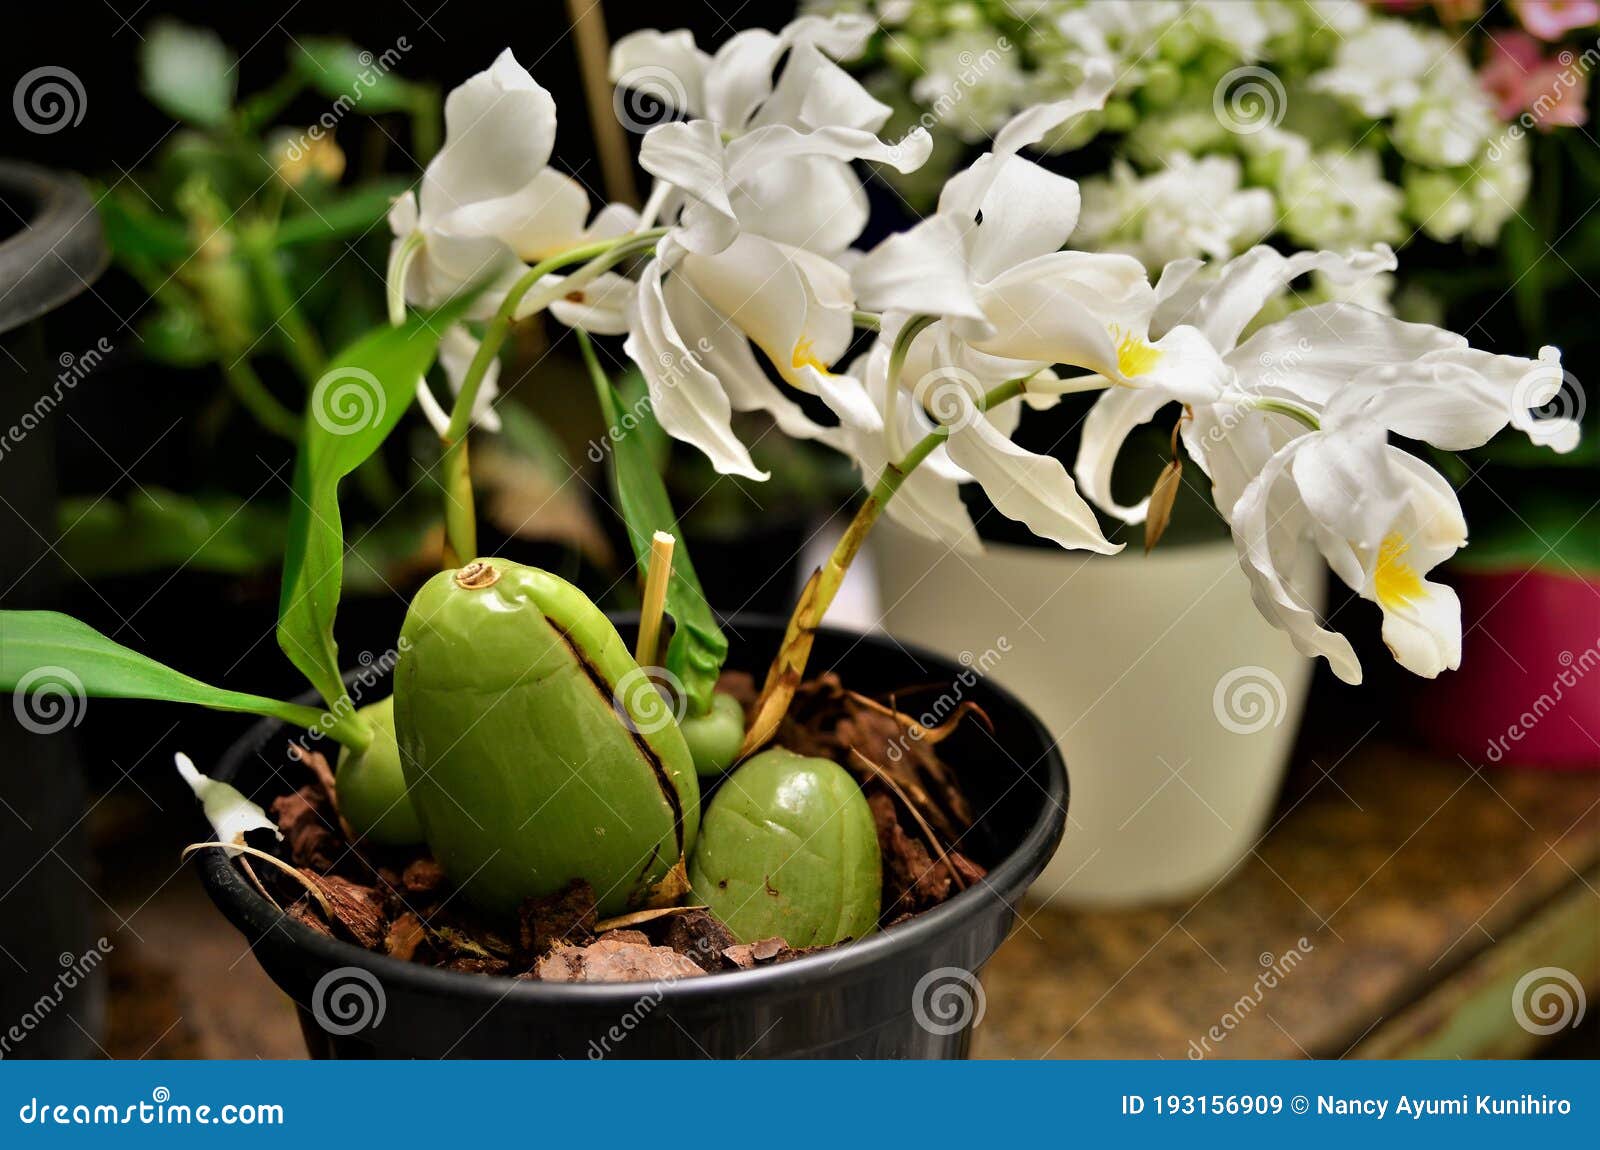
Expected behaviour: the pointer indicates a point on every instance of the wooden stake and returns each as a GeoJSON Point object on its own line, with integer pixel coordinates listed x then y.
{"type": "Point", "coordinates": [610, 140]}
{"type": "Point", "coordinates": [655, 599]}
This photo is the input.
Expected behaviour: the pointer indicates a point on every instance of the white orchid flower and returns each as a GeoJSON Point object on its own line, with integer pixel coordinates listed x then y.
{"type": "Point", "coordinates": [1299, 447]}
{"type": "Point", "coordinates": [944, 382]}
{"type": "Point", "coordinates": [764, 203]}
{"type": "Point", "coordinates": [230, 814]}
{"type": "Point", "coordinates": [765, 149]}
{"type": "Point", "coordinates": [989, 261]}
{"type": "Point", "coordinates": [489, 198]}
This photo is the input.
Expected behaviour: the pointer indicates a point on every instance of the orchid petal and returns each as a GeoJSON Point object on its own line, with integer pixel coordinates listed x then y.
{"type": "Point", "coordinates": [1035, 490]}
{"type": "Point", "coordinates": [689, 402]}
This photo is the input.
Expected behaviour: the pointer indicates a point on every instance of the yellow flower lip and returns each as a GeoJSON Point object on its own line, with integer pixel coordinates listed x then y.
{"type": "Point", "coordinates": [1396, 582]}
{"type": "Point", "coordinates": [804, 357]}
{"type": "Point", "coordinates": [1135, 356]}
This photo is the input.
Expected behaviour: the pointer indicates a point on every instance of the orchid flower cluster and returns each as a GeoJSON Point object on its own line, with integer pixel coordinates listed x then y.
{"type": "Point", "coordinates": [740, 288]}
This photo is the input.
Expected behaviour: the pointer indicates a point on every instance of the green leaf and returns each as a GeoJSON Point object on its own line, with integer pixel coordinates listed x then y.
{"type": "Point", "coordinates": [1523, 251]}
{"type": "Point", "coordinates": [157, 530]}
{"type": "Point", "coordinates": [358, 80]}
{"type": "Point", "coordinates": [352, 214]}
{"type": "Point", "coordinates": [47, 653]}
{"type": "Point", "coordinates": [354, 406]}
{"type": "Point", "coordinates": [176, 335]}
{"type": "Point", "coordinates": [132, 231]}
{"type": "Point", "coordinates": [698, 647]}
{"type": "Point", "coordinates": [188, 73]}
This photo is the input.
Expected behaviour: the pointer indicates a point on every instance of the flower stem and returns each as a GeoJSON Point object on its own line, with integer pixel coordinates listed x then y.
{"type": "Point", "coordinates": [248, 389]}
{"type": "Point", "coordinates": [897, 362]}
{"type": "Point", "coordinates": [788, 666]}
{"type": "Point", "coordinates": [460, 519]}
{"type": "Point", "coordinates": [1292, 410]}
{"type": "Point", "coordinates": [866, 320]}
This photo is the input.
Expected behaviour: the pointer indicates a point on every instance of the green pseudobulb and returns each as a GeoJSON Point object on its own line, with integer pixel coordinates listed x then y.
{"type": "Point", "coordinates": [536, 750]}
{"type": "Point", "coordinates": [788, 848]}
{"type": "Point", "coordinates": [714, 737]}
{"type": "Point", "coordinates": [371, 787]}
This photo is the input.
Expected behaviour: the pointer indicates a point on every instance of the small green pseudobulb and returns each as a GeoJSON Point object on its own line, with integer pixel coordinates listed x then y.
{"type": "Point", "coordinates": [715, 736]}
{"type": "Point", "coordinates": [788, 848]}
{"type": "Point", "coordinates": [536, 750]}
{"type": "Point", "coordinates": [371, 786]}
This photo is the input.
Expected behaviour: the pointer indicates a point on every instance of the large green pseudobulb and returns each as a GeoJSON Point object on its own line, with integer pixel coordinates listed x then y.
{"type": "Point", "coordinates": [535, 750]}
{"type": "Point", "coordinates": [789, 849]}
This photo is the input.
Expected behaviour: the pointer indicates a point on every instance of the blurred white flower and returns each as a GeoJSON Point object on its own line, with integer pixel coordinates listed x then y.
{"type": "Point", "coordinates": [1190, 208]}
{"type": "Point", "coordinates": [1337, 198]}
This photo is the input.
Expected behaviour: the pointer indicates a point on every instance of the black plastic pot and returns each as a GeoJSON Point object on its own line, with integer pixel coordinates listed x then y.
{"type": "Point", "coordinates": [906, 992]}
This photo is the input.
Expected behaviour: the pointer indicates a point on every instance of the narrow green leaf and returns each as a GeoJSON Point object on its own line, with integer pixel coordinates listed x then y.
{"type": "Point", "coordinates": [188, 73]}
{"type": "Point", "coordinates": [353, 407]}
{"type": "Point", "coordinates": [158, 530]}
{"type": "Point", "coordinates": [45, 653]}
{"type": "Point", "coordinates": [351, 214]}
{"type": "Point", "coordinates": [358, 80]}
{"type": "Point", "coordinates": [698, 646]}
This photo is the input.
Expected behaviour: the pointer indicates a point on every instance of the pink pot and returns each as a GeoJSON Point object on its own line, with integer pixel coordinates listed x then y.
{"type": "Point", "coordinates": [1528, 691]}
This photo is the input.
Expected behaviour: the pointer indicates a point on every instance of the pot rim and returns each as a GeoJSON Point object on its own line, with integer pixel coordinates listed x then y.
{"type": "Point", "coordinates": [257, 917]}
{"type": "Point", "coordinates": [57, 252]}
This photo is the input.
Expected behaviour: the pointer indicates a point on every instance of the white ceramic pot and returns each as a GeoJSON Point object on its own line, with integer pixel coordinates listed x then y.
{"type": "Point", "coordinates": [1175, 703]}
